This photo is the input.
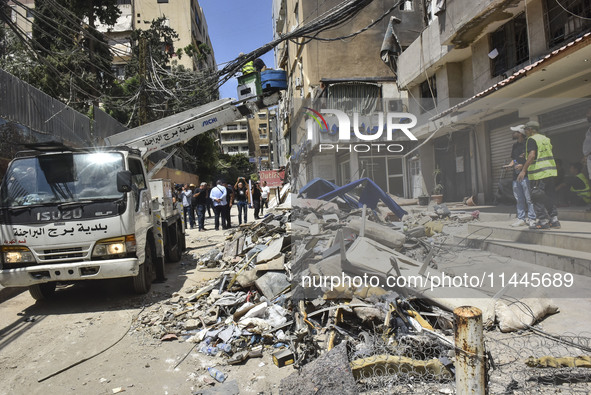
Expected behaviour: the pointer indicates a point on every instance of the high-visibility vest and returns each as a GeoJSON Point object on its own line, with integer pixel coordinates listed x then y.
{"type": "Point", "coordinates": [248, 68]}
{"type": "Point", "coordinates": [584, 193]}
{"type": "Point", "coordinates": [544, 165]}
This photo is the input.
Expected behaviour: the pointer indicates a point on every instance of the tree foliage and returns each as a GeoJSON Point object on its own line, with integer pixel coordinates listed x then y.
{"type": "Point", "coordinates": [77, 57]}
{"type": "Point", "coordinates": [233, 166]}
{"type": "Point", "coordinates": [167, 89]}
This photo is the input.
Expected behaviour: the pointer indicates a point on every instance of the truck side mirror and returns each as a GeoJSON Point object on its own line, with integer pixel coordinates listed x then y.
{"type": "Point", "coordinates": [124, 181]}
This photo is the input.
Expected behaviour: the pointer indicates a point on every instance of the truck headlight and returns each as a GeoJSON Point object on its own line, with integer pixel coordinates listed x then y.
{"type": "Point", "coordinates": [16, 255]}
{"type": "Point", "coordinates": [114, 247]}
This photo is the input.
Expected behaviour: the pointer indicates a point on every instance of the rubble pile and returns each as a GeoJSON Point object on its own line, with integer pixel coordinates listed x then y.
{"type": "Point", "coordinates": [288, 288]}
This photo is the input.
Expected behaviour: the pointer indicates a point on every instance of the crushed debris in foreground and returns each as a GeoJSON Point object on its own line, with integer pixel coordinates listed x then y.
{"type": "Point", "coordinates": [345, 337]}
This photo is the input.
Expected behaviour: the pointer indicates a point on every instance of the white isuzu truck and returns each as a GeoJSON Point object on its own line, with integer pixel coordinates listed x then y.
{"type": "Point", "coordinates": [80, 214]}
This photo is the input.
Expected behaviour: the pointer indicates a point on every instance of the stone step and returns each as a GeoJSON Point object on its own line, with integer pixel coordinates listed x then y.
{"type": "Point", "coordinates": [575, 262]}
{"type": "Point", "coordinates": [574, 235]}
{"type": "Point", "coordinates": [507, 213]}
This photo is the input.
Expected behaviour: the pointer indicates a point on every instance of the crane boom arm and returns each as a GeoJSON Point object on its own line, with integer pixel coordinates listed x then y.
{"type": "Point", "coordinates": [181, 127]}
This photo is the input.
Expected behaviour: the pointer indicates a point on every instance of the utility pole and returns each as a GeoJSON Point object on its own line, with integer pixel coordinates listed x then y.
{"type": "Point", "coordinates": [143, 110]}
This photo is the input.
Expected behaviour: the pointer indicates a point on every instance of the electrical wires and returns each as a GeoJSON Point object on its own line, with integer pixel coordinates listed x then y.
{"type": "Point", "coordinates": [336, 16]}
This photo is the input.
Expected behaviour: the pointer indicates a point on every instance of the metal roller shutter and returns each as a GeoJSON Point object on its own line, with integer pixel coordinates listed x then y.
{"type": "Point", "coordinates": [500, 154]}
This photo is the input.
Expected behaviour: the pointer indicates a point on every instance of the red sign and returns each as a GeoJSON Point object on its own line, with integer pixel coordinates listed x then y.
{"type": "Point", "coordinates": [274, 178]}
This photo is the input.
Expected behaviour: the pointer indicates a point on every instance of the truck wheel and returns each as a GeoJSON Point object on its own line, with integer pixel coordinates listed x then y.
{"type": "Point", "coordinates": [143, 281]}
{"type": "Point", "coordinates": [175, 252]}
{"type": "Point", "coordinates": [42, 291]}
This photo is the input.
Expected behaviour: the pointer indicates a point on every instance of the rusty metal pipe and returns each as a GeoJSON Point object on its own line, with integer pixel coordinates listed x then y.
{"type": "Point", "coordinates": [470, 354]}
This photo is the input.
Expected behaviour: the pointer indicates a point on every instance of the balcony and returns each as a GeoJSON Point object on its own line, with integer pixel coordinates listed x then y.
{"type": "Point", "coordinates": [234, 141]}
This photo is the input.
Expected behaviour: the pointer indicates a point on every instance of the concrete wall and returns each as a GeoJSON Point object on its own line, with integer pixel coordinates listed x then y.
{"type": "Point", "coordinates": [481, 66]}
{"type": "Point", "coordinates": [535, 29]}
{"type": "Point", "coordinates": [467, 78]}
{"type": "Point", "coordinates": [423, 53]}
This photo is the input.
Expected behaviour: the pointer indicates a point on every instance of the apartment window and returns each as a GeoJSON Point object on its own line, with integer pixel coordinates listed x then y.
{"type": "Point", "coordinates": [566, 19]}
{"type": "Point", "coordinates": [29, 13]}
{"type": "Point", "coordinates": [296, 13]}
{"type": "Point", "coordinates": [162, 1]}
{"type": "Point", "coordinates": [428, 94]}
{"type": "Point", "coordinates": [123, 2]}
{"type": "Point", "coordinates": [509, 46]}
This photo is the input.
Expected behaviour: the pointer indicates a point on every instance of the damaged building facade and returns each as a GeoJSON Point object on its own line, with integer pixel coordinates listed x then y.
{"type": "Point", "coordinates": [480, 67]}
{"type": "Point", "coordinates": [344, 71]}
{"type": "Point", "coordinates": [468, 70]}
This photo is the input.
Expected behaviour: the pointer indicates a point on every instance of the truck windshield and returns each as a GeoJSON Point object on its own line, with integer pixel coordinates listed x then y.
{"type": "Point", "coordinates": [61, 178]}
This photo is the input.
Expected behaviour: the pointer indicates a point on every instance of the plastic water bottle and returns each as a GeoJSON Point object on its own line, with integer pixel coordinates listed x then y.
{"type": "Point", "coordinates": [207, 350]}
{"type": "Point", "coordinates": [216, 374]}
{"type": "Point", "coordinates": [227, 348]}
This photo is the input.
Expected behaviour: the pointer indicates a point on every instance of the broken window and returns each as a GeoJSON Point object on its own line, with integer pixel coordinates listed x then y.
{"type": "Point", "coordinates": [566, 19]}
{"type": "Point", "coordinates": [428, 94]}
{"type": "Point", "coordinates": [509, 46]}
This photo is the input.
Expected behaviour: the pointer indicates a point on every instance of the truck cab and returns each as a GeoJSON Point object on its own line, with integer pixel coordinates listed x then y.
{"type": "Point", "coordinates": [77, 214]}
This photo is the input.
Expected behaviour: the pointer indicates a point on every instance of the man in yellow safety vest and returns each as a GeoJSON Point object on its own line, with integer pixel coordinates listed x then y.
{"type": "Point", "coordinates": [253, 65]}
{"type": "Point", "coordinates": [540, 168]}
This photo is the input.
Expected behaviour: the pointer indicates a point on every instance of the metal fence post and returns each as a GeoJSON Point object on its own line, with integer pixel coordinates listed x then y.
{"type": "Point", "coordinates": [470, 359]}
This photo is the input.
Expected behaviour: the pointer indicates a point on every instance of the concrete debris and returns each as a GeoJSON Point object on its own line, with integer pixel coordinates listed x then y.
{"type": "Point", "coordinates": [273, 296]}
{"type": "Point", "coordinates": [523, 313]}
{"type": "Point", "coordinates": [380, 233]}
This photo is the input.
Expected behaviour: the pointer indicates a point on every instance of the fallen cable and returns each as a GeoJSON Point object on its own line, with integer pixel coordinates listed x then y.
{"type": "Point", "coordinates": [94, 355]}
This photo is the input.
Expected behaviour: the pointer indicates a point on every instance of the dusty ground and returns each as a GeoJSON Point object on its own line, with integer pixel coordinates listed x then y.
{"type": "Point", "coordinates": [40, 339]}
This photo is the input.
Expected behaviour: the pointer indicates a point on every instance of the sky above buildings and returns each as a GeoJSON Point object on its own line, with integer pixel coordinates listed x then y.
{"type": "Point", "coordinates": [238, 26]}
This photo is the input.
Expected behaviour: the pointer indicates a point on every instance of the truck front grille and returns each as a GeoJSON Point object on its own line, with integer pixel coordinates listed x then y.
{"type": "Point", "coordinates": [62, 254]}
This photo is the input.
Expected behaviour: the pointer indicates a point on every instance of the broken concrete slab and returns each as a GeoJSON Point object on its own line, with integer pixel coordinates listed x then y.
{"type": "Point", "coordinates": [272, 284]}
{"type": "Point", "coordinates": [368, 257]}
{"type": "Point", "coordinates": [329, 374]}
{"type": "Point", "coordinates": [247, 278]}
{"type": "Point", "coordinates": [276, 264]}
{"type": "Point", "coordinates": [231, 249]}
{"type": "Point", "coordinates": [383, 234]}
{"type": "Point", "coordinates": [272, 251]}
{"type": "Point", "coordinates": [315, 229]}
{"type": "Point", "coordinates": [311, 218]}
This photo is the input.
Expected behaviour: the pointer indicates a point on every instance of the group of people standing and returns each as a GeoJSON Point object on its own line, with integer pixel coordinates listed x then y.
{"type": "Point", "coordinates": [221, 198]}
{"type": "Point", "coordinates": [534, 178]}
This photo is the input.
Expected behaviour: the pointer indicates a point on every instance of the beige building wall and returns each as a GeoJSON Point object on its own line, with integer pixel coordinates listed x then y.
{"type": "Point", "coordinates": [20, 16]}
{"type": "Point", "coordinates": [178, 14]}
{"type": "Point", "coordinates": [259, 138]}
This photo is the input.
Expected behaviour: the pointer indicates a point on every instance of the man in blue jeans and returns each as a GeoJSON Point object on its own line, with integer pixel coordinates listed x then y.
{"type": "Point", "coordinates": [187, 194]}
{"type": "Point", "coordinates": [200, 196]}
{"type": "Point", "coordinates": [521, 188]}
{"type": "Point", "coordinates": [241, 198]}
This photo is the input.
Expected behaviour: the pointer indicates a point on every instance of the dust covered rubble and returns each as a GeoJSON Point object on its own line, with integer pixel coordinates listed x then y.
{"type": "Point", "coordinates": [258, 305]}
